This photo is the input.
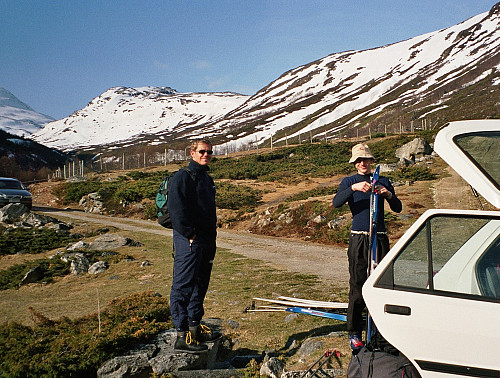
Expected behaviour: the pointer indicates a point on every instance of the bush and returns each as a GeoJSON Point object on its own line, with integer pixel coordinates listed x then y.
{"type": "Point", "coordinates": [318, 192]}
{"type": "Point", "coordinates": [65, 347]}
{"type": "Point", "coordinates": [234, 197]}
{"type": "Point", "coordinates": [412, 173]}
{"type": "Point", "coordinates": [20, 240]}
{"type": "Point", "coordinates": [11, 277]}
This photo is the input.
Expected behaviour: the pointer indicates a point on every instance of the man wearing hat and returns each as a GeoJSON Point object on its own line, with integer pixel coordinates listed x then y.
{"type": "Point", "coordinates": [355, 190]}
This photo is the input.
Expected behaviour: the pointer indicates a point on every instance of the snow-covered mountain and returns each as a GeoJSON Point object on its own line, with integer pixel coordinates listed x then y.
{"type": "Point", "coordinates": [17, 118]}
{"type": "Point", "coordinates": [431, 75]}
{"type": "Point", "coordinates": [122, 115]}
{"type": "Point", "coordinates": [450, 74]}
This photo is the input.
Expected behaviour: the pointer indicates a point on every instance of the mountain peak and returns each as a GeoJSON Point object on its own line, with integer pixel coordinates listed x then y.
{"type": "Point", "coordinates": [18, 118]}
{"type": "Point", "coordinates": [8, 99]}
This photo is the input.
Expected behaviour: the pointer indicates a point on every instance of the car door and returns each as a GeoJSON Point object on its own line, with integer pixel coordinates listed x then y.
{"type": "Point", "coordinates": [436, 295]}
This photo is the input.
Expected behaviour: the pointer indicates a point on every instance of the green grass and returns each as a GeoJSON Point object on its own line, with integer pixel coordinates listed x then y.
{"type": "Point", "coordinates": [64, 339]}
{"type": "Point", "coordinates": [52, 267]}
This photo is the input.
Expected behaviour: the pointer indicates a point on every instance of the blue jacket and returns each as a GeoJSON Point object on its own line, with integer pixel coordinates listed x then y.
{"type": "Point", "coordinates": [191, 203]}
{"type": "Point", "coordinates": [359, 202]}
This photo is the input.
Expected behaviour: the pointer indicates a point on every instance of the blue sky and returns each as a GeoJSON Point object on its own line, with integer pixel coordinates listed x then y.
{"type": "Point", "coordinates": [56, 56]}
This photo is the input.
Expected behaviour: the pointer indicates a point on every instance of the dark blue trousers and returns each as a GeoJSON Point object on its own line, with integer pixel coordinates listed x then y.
{"type": "Point", "coordinates": [192, 269]}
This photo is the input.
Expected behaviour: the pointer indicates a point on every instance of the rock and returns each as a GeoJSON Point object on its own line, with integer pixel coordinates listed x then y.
{"type": "Point", "coordinates": [79, 263]}
{"type": "Point", "coordinates": [337, 222]}
{"type": "Point", "coordinates": [98, 267]}
{"type": "Point", "coordinates": [40, 220]}
{"type": "Point", "coordinates": [78, 246]}
{"type": "Point", "coordinates": [233, 324]}
{"type": "Point", "coordinates": [92, 203]}
{"type": "Point", "coordinates": [145, 263]}
{"type": "Point", "coordinates": [319, 219]}
{"type": "Point", "coordinates": [417, 148]}
{"type": "Point", "coordinates": [291, 317]}
{"type": "Point", "coordinates": [126, 366]}
{"type": "Point", "coordinates": [309, 346]}
{"type": "Point", "coordinates": [272, 368]}
{"type": "Point", "coordinates": [111, 241]}
{"type": "Point", "coordinates": [12, 212]}
{"type": "Point", "coordinates": [159, 358]}
{"type": "Point", "coordinates": [33, 275]}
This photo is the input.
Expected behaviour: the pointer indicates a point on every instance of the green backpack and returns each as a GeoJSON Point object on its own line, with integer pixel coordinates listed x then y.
{"type": "Point", "coordinates": [161, 199]}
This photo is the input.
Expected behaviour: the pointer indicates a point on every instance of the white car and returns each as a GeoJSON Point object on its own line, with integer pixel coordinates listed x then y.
{"type": "Point", "coordinates": [436, 295]}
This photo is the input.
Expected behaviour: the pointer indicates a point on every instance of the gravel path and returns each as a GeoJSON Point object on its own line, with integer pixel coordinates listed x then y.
{"type": "Point", "coordinates": [327, 262]}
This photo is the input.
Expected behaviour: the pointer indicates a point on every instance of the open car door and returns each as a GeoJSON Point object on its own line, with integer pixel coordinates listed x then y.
{"type": "Point", "coordinates": [436, 295]}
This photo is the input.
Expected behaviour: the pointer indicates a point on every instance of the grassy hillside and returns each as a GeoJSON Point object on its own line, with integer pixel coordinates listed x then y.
{"type": "Point", "coordinates": [247, 185]}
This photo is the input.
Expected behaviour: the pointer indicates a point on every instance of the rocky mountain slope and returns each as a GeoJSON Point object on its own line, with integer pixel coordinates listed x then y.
{"type": "Point", "coordinates": [425, 81]}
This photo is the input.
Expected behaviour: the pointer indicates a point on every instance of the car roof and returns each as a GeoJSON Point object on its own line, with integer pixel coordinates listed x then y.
{"type": "Point", "coordinates": [472, 149]}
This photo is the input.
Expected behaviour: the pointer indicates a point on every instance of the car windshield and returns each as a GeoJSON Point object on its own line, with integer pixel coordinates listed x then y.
{"type": "Point", "coordinates": [483, 149]}
{"type": "Point", "coordinates": [10, 184]}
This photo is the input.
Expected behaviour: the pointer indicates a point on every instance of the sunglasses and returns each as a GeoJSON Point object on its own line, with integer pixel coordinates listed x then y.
{"type": "Point", "coordinates": [202, 152]}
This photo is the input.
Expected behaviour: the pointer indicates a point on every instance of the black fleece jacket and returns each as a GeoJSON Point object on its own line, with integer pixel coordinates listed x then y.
{"type": "Point", "coordinates": [359, 202]}
{"type": "Point", "coordinates": [191, 203]}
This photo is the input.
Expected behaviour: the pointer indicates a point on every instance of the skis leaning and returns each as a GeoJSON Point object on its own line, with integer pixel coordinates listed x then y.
{"type": "Point", "coordinates": [372, 245]}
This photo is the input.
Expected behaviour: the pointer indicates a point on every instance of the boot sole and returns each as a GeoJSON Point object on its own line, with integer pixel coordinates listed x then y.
{"type": "Point", "coordinates": [190, 351]}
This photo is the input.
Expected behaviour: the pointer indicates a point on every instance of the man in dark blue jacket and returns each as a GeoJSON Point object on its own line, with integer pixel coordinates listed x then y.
{"type": "Point", "coordinates": [355, 190]}
{"type": "Point", "coordinates": [191, 204]}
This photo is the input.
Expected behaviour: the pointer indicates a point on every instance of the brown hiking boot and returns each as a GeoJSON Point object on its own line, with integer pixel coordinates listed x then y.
{"type": "Point", "coordinates": [203, 333]}
{"type": "Point", "coordinates": [187, 344]}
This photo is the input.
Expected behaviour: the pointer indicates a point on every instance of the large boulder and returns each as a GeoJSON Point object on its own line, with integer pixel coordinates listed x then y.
{"type": "Point", "coordinates": [40, 220]}
{"type": "Point", "coordinates": [98, 267]}
{"type": "Point", "coordinates": [12, 212]}
{"type": "Point", "coordinates": [111, 241]}
{"type": "Point", "coordinates": [414, 150]}
{"type": "Point", "coordinates": [159, 357]}
{"type": "Point", "coordinates": [33, 275]}
{"type": "Point", "coordinates": [79, 263]}
{"type": "Point", "coordinates": [92, 203]}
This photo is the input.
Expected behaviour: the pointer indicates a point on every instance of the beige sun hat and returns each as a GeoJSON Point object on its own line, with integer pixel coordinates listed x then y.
{"type": "Point", "coordinates": [360, 150]}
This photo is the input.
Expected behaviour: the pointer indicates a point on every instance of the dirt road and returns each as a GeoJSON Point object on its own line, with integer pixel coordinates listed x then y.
{"type": "Point", "coordinates": [327, 262]}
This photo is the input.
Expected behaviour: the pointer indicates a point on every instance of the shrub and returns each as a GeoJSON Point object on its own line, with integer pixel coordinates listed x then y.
{"type": "Point", "coordinates": [234, 197]}
{"type": "Point", "coordinates": [11, 277]}
{"type": "Point", "coordinates": [20, 240]}
{"type": "Point", "coordinates": [65, 347]}
{"type": "Point", "coordinates": [412, 173]}
{"type": "Point", "coordinates": [317, 192]}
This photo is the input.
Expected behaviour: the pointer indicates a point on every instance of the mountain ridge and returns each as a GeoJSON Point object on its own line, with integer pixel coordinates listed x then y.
{"type": "Point", "coordinates": [427, 80]}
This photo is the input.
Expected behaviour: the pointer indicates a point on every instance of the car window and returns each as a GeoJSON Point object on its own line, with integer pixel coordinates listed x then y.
{"type": "Point", "coordinates": [450, 253]}
{"type": "Point", "coordinates": [483, 149]}
{"type": "Point", "coordinates": [488, 270]}
{"type": "Point", "coordinates": [10, 184]}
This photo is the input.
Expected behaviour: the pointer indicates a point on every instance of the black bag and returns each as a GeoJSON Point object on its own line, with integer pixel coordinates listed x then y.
{"type": "Point", "coordinates": [379, 359]}
{"type": "Point", "coordinates": [161, 200]}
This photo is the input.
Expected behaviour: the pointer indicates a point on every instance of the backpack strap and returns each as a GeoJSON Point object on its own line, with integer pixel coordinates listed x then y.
{"type": "Point", "coordinates": [192, 173]}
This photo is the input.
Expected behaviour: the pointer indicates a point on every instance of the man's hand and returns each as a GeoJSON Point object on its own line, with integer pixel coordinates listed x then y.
{"type": "Point", "coordinates": [382, 190]}
{"type": "Point", "coordinates": [362, 186]}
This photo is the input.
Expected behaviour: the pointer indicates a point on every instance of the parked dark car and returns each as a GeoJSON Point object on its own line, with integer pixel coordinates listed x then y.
{"type": "Point", "coordinates": [13, 191]}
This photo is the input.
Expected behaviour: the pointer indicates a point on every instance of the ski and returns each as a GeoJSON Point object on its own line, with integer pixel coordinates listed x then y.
{"type": "Point", "coordinates": [304, 304]}
{"type": "Point", "coordinates": [322, 314]}
{"type": "Point", "coordinates": [319, 304]}
{"type": "Point", "coordinates": [372, 245]}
